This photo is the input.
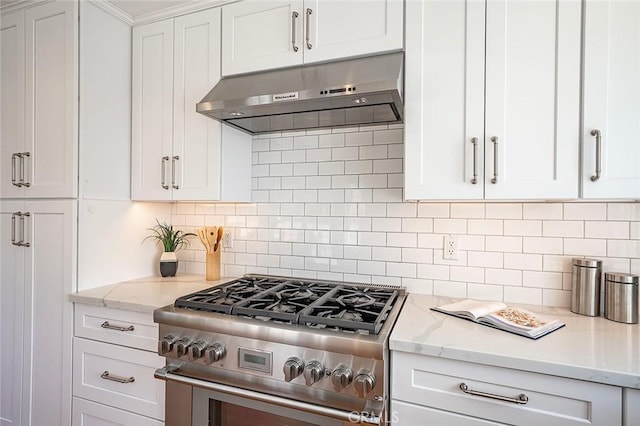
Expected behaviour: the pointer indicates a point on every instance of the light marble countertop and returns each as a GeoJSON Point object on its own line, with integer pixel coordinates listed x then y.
{"type": "Point", "coordinates": [592, 349]}
{"type": "Point", "coordinates": [144, 294]}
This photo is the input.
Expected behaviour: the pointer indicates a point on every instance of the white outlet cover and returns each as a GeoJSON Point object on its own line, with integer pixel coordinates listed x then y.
{"type": "Point", "coordinates": [450, 247]}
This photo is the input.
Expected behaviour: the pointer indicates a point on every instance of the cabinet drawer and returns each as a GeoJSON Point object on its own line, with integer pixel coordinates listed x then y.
{"type": "Point", "coordinates": [87, 413]}
{"type": "Point", "coordinates": [95, 360]}
{"type": "Point", "coordinates": [127, 328]}
{"type": "Point", "coordinates": [435, 382]}
{"type": "Point", "coordinates": [405, 414]}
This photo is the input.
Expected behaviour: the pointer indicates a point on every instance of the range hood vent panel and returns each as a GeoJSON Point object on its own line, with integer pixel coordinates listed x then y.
{"type": "Point", "coordinates": [351, 92]}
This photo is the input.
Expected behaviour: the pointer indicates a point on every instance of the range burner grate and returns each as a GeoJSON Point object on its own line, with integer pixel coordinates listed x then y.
{"type": "Point", "coordinates": [316, 304]}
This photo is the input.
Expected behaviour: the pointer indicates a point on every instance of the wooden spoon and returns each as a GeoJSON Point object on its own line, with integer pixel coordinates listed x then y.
{"type": "Point", "coordinates": [219, 239]}
{"type": "Point", "coordinates": [202, 234]}
{"type": "Point", "coordinates": [212, 234]}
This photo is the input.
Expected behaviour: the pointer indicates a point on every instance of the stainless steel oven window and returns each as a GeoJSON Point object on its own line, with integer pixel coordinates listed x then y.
{"type": "Point", "coordinates": [212, 408]}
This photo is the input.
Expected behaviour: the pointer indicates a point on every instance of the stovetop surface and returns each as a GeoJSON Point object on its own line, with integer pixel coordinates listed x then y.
{"type": "Point", "coordinates": [350, 307]}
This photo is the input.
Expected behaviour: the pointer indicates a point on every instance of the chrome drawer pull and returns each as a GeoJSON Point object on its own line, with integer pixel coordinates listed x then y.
{"type": "Point", "coordinates": [308, 40]}
{"type": "Point", "coordinates": [116, 327]}
{"type": "Point", "coordinates": [163, 173]}
{"type": "Point", "coordinates": [118, 379]}
{"type": "Point", "coordinates": [474, 141]}
{"type": "Point", "coordinates": [14, 182]}
{"type": "Point", "coordinates": [13, 229]}
{"type": "Point", "coordinates": [520, 399]}
{"type": "Point", "coordinates": [598, 136]}
{"type": "Point", "coordinates": [494, 139]}
{"type": "Point", "coordinates": [294, 16]}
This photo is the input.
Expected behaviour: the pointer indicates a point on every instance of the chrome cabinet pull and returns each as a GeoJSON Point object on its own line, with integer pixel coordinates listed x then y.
{"type": "Point", "coordinates": [14, 182]}
{"type": "Point", "coordinates": [116, 327]}
{"type": "Point", "coordinates": [21, 155]}
{"type": "Point", "coordinates": [22, 242]}
{"type": "Point", "coordinates": [308, 23]}
{"type": "Point", "coordinates": [294, 16]}
{"type": "Point", "coordinates": [13, 229]}
{"type": "Point", "coordinates": [164, 173]}
{"type": "Point", "coordinates": [494, 139]}
{"type": "Point", "coordinates": [598, 135]}
{"type": "Point", "coordinates": [118, 379]}
{"type": "Point", "coordinates": [474, 141]}
{"type": "Point", "coordinates": [520, 399]}
{"type": "Point", "coordinates": [173, 171]}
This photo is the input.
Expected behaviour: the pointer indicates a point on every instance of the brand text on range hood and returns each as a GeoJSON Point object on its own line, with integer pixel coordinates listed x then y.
{"type": "Point", "coordinates": [351, 92]}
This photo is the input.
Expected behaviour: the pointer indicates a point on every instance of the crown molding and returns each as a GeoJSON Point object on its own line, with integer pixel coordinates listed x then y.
{"type": "Point", "coordinates": [182, 9]}
{"type": "Point", "coordinates": [113, 10]}
{"type": "Point", "coordinates": [20, 5]}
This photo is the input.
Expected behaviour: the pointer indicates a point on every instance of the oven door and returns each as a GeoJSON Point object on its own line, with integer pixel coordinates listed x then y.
{"type": "Point", "coordinates": [195, 402]}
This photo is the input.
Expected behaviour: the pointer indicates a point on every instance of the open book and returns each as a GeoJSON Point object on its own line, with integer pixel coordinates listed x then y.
{"type": "Point", "coordinates": [499, 315]}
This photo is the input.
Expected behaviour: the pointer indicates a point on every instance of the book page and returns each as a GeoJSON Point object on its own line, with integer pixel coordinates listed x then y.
{"type": "Point", "coordinates": [475, 308]}
{"type": "Point", "coordinates": [518, 318]}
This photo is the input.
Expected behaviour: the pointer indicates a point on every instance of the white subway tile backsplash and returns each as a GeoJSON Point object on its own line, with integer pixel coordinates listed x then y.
{"type": "Point", "coordinates": [450, 226]}
{"type": "Point", "coordinates": [503, 211]}
{"type": "Point", "coordinates": [524, 228]}
{"type": "Point", "coordinates": [585, 211]}
{"type": "Point", "coordinates": [542, 211]}
{"type": "Point", "coordinates": [376, 152]}
{"type": "Point", "coordinates": [329, 204]}
{"type": "Point", "coordinates": [564, 228]}
{"type": "Point", "coordinates": [467, 210]}
{"type": "Point", "coordinates": [485, 227]}
{"type": "Point", "coordinates": [608, 230]}
{"type": "Point", "coordinates": [623, 211]}
{"type": "Point", "coordinates": [344, 237]}
{"type": "Point", "coordinates": [345, 154]}
{"type": "Point", "coordinates": [585, 247]}
{"type": "Point", "coordinates": [358, 138]}
{"type": "Point", "coordinates": [542, 279]}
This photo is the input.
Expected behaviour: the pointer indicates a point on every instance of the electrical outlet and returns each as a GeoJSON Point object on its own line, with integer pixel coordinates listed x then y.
{"type": "Point", "coordinates": [450, 247]}
{"type": "Point", "coordinates": [227, 240]}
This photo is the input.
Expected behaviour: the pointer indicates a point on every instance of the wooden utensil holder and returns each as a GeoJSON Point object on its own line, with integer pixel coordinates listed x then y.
{"type": "Point", "coordinates": [213, 266]}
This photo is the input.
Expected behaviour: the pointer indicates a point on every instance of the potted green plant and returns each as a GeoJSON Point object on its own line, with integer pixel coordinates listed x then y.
{"type": "Point", "coordinates": [172, 240]}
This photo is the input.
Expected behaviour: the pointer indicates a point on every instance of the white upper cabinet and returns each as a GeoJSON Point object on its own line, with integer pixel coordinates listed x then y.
{"type": "Point", "coordinates": [178, 154]}
{"type": "Point", "coordinates": [152, 111]}
{"type": "Point", "coordinates": [39, 102]}
{"type": "Point", "coordinates": [511, 133]}
{"type": "Point", "coordinates": [611, 130]}
{"type": "Point", "coordinates": [260, 35]}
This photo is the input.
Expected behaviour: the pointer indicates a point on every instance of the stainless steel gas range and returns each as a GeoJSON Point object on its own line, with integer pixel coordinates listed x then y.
{"type": "Point", "coordinates": [265, 351]}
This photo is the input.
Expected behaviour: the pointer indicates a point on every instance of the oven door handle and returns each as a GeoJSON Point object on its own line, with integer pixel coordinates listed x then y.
{"type": "Point", "coordinates": [350, 417]}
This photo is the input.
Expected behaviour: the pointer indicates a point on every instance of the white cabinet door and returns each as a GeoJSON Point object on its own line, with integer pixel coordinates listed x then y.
{"type": "Point", "coordinates": [630, 407]}
{"type": "Point", "coordinates": [405, 414]}
{"type": "Point", "coordinates": [515, 127]}
{"type": "Point", "coordinates": [611, 99]}
{"type": "Point", "coordinates": [196, 138]}
{"type": "Point", "coordinates": [11, 102]}
{"type": "Point", "coordinates": [49, 277]}
{"type": "Point", "coordinates": [260, 35]}
{"type": "Point", "coordinates": [12, 305]}
{"type": "Point", "coordinates": [532, 99]}
{"type": "Point", "coordinates": [51, 100]}
{"type": "Point", "coordinates": [152, 111]}
{"type": "Point", "coordinates": [338, 29]}
{"type": "Point", "coordinates": [444, 99]}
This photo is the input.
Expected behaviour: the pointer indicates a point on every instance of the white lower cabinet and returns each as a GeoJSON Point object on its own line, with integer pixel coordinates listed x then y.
{"type": "Point", "coordinates": [113, 366]}
{"type": "Point", "coordinates": [87, 413]}
{"type": "Point", "coordinates": [427, 390]}
{"type": "Point", "coordinates": [630, 407]}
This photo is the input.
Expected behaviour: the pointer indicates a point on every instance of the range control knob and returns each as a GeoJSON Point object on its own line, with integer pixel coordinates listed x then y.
{"type": "Point", "coordinates": [364, 383]}
{"type": "Point", "coordinates": [181, 347]}
{"type": "Point", "coordinates": [166, 344]}
{"type": "Point", "coordinates": [341, 377]}
{"type": "Point", "coordinates": [292, 368]}
{"type": "Point", "coordinates": [197, 350]}
{"type": "Point", "coordinates": [214, 353]}
{"type": "Point", "coordinates": [313, 372]}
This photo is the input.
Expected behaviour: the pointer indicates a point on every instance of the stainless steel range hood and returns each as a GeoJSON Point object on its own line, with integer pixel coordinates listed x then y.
{"type": "Point", "coordinates": [345, 93]}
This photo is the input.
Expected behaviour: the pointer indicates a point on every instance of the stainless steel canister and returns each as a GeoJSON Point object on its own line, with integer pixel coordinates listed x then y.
{"type": "Point", "coordinates": [585, 286]}
{"type": "Point", "coordinates": [621, 297]}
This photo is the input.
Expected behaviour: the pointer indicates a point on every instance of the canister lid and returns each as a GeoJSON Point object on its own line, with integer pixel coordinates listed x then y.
{"type": "Point", "coordinates": [621, 277]}
{"type": "Point", "coordinates": [586, 262]}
